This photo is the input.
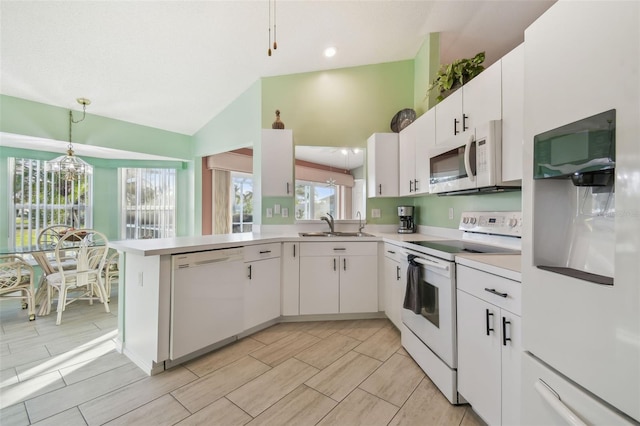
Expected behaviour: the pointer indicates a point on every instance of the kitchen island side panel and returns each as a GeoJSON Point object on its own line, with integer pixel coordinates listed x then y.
{"type": "Point", "coordinates": [146, 310]}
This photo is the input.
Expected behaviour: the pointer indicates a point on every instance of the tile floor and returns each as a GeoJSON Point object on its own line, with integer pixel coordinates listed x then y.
{"type": "Point", "coordinates": [324, 373]}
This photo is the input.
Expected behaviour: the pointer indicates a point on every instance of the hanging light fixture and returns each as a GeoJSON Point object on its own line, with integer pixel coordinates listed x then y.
{"type": "Point", "coordinates": [275, 43]}
{"type": "Point", "coordinates": [70, 166]}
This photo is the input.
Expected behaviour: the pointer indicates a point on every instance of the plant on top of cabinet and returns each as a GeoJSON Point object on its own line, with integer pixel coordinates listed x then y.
{"type": "Point", "coordinates": [452, 76]}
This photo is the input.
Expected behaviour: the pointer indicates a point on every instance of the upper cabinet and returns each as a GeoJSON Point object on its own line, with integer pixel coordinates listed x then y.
{"type": "Point", "coordinates": [277, 163]}
{"type": "Point", "coordinates": [512, 113]}
{"type": "Point", "coordinates": [414, 143]}
{"type": "Point", "coordinates": [474, 103]}
{"type": "Point", "coordinates": [382, 165]}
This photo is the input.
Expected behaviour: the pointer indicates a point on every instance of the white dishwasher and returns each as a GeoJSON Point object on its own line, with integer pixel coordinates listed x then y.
{"type": "Point", "coordinates": [206, 299]}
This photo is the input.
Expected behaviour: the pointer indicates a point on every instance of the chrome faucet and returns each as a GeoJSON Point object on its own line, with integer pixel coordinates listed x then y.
{"type": "Point", "coordinates": [329, 221]}
{"type": "Point", "coordinates": [360, 225]}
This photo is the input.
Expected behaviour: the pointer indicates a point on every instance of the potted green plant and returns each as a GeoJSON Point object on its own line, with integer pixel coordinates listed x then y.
{"type": "Point", "coordinates": [452, 76]}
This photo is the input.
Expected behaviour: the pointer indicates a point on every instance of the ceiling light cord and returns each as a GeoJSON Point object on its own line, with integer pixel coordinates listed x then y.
{"type": "Point", "coordinates": [269, 45]}
{"type": "Point", "coordinates": [84, 102]}
{"type": "Point", "coordinates": [275, 43]}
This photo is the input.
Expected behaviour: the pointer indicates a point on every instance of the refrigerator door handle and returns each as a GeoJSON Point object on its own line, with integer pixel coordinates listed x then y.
{"type": "Point", "coordinates": [553, 399]}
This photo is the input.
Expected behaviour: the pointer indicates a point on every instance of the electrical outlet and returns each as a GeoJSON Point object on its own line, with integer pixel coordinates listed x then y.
{"type": "Point", "coordinates": [269, 212]}
{"type": "Point", "coordinates": [276, 209]}
{"type": "Point", "coordinates": [450, 213]}
{"type": "Point", "coordinates": [375, 212]}
{"type": "Point", "coordinates": [285, 212]}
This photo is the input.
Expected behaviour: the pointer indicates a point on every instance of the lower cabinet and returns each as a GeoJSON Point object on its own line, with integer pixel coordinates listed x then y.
{"type": "Point", "coordinates": [290, 278]}
{"type": "Point", "coordinates": [395, 283]}
{"type": "Point", "coordinates": [262, 284]}
{"type": "Point", "coordinates": [489, 345]}
{"type": "Point", "coordinates": [338, 278]}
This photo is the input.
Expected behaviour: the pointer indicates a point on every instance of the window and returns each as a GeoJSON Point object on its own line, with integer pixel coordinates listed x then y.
{"type": "Point", "coordinates": [314, 200]}
{"type": "Point", "coordinates": [41, 198]}
{"type": "Point", "coordinates": [242, 203]}
{"type": "Point", "coordinates": [149, 203]}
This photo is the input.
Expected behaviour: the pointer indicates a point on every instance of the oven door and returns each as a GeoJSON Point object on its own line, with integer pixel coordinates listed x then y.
{"type": "Point", "coordinates": [435, 324]}
{"type": "Point", "coordinates": [453, 168]}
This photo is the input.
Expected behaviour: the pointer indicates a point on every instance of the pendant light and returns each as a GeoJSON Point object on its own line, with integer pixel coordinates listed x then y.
{"type": "Point", "coordinates": [275, 43]}
{"type": "Point", "coordinates": [70, 166]}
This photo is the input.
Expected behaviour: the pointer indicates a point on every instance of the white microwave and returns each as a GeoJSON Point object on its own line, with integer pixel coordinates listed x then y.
{"type": "Point", "coordinates": [472, 166]}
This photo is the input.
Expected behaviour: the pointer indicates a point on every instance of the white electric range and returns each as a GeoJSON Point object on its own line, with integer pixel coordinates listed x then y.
{"type": "Point", "coordinates": [430, 335]}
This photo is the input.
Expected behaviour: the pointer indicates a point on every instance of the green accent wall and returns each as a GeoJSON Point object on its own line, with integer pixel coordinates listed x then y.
{"type": "Point", "coordinates": [426, 64]}
{"type": "Point", "coordinates": [340, 107]}
{"type": "Point", "coordinates": [433, 210]}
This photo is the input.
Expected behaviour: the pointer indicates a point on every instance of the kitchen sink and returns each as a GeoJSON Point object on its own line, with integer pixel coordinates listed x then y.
{"type": "Point", "coordinates": [335, 234]}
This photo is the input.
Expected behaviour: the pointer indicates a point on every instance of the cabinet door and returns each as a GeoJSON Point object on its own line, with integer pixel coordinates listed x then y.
{"type": "Point", "coordinates": [358, 284]}
{"type": "Point", "coordinates": [425, 139]}
{"type": "Point", "coordinates": [511, 361]}
{"type": "Point", "coordinates": [319, 285]}
{"type": "Point", "coordinates": [261, 292]}
{"type": "Point", "coordinates": [449, 118]}
{"type": "Point", "coordinates": [290, 278]}
{"type": "Point", "coordinates": [479, 356]}
{"type": "Point", "coordinates": [277, 163]}
{"type": "Point", "coordinates": [407, 160]}
{"type": "Point", "coordinates": [391, 277]}
{"type": "Point", "coordinates": [382, 165]}
{"type": "Point", "coordinates": [512, 113]}
{"type": "Point", "coordinates": [482, 99]}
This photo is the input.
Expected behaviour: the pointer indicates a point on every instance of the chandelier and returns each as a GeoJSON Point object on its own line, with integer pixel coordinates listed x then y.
{"type": "Point", "coordinates": [69, 166]}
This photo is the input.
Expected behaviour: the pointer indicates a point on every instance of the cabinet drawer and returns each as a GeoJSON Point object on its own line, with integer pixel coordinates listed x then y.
{"type": "Point", "coordinates": [479, 284]}
{"type": "Point", "coordinates": [338, 248]}
{"type": "Point", "coordinates": [261, 251]}
{"type": "Point", "coordinates": [394, 252]}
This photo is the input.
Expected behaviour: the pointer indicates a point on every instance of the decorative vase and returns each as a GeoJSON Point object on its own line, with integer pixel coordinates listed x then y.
{"type": "Point", "coordinates": [277, 124]}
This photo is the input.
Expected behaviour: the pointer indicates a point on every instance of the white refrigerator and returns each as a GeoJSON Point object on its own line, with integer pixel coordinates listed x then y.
{"type": "Point", "coordinates": [582, 339]}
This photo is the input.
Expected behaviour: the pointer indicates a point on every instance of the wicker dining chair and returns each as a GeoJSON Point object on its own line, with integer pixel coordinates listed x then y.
{"type": "Point", "coordinates": [16, 282]}
{"type": "Point", "coordinates": [85, 280]}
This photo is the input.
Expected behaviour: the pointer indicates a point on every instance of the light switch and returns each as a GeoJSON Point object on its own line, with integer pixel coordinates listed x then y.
{"type": "Point", "coordinates": [276, 209]}
{"type": "Point", "coordinates": [285, 212]}
{"type": "Point", "coordinates": [450, 213]}
{"type": "Point", "coordinates": [375, 212]}
{"type": "Point", "coordinates": [269, 212]}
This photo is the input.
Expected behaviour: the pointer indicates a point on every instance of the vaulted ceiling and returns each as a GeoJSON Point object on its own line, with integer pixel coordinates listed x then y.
{"type": "Point", "coordinates": [174, 65]}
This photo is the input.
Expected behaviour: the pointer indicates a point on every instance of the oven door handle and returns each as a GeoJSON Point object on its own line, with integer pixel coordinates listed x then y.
{"type": "Point", "coordinates": [428, 262]}
{"type": "Point", "coordinates": [467, 157]}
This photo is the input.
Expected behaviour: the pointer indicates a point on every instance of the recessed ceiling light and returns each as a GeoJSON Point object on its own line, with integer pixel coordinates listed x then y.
{"type": "Point", "coordinates": [329, 52]}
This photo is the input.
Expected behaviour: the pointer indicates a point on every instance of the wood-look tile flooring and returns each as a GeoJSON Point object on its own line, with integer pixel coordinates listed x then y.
{"type": "Point", "coordinates": [324, 373]}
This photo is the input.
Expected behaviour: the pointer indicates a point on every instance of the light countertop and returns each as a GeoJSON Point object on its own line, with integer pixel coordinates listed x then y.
{"type": "Point", "coordinates": [505, 265]}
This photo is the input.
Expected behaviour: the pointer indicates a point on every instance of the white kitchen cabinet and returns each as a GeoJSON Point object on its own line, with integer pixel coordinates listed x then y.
{"type": "Point", "coordinates": [414, 143]}
{"type": "Point", "coordinates": [382, 165]}
{"type": "Point", "coordinates": [262, 284]}
{"type": "Point", "coordinates": [512, 113]}
{"type": "Point", "coordinates": [277, 163]}
{"type": "Point", "coordinates": [290, 278]}
{"type": "Point", "coordinates": [475, 103]}
{"type": "Point", "coordinates": [395, 282]}
{"type": "Point", "coordinates": [489, 345]}
{"type": "Point", "coordinates": [338, 277]}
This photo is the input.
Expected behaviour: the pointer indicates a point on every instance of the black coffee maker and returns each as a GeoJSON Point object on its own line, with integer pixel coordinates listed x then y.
{"type": "Point", "coordinates": [407, 225]}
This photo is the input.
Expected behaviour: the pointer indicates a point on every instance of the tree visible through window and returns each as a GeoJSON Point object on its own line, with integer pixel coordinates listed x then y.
{"type": "Point", "coordinates": [149, 203]}
{"type": "Point", "coordinates": [242, 203]}
{"type": "Point", "coordinates": [42, 198]}
{"type": "Point", "coordinates": [313, 200]}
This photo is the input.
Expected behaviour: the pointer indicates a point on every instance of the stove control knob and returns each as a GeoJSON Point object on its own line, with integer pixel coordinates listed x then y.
{"type": "Point", "coordinates": [513, 222]}
{"type": "Point", "coordinates": [472, 220]}
{"type": "Point", "coordinates": [465, 220]}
